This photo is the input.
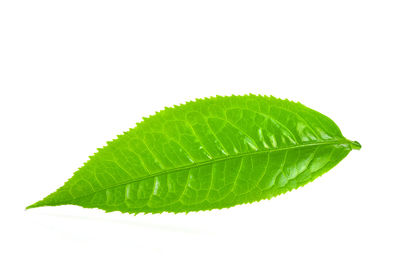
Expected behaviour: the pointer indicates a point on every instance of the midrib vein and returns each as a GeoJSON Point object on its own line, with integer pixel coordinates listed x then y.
{"type": "Point", "coordinates": [215, 160]}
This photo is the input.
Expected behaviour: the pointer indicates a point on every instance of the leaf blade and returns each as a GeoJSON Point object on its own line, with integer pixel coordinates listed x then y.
{"type": "Point", "coordinates": [143, 170]}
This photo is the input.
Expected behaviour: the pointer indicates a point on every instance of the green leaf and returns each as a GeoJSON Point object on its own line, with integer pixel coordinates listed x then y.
{"type": "Point", "coordinates": [212, 153]}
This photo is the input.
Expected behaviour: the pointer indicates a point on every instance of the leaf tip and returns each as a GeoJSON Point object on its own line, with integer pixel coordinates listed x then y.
{"type": "Point", "coordinates": [34, 205]}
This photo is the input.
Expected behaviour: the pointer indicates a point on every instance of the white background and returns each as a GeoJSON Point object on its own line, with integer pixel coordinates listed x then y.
{"type": "Point", "coordinates": [74, 74]}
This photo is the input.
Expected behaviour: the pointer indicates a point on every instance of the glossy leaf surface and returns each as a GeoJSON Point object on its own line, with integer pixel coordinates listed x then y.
{"type": "Point", "coordinates": [211, 153]}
